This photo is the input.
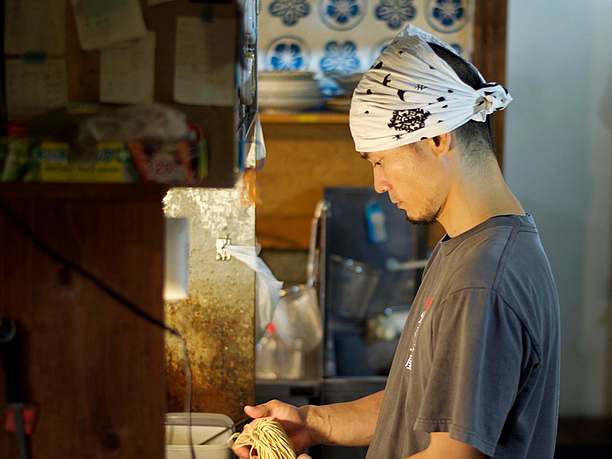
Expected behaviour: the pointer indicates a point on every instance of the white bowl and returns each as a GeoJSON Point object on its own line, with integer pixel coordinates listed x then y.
{"type": "Point", "coordinates": [285, 74]}
{"type": "Point", "coordinates": [292, 104]}
{"type": "Point", "coordinates": [338, 104]}
{"type": "Point", "coordinates": [287, 85]}
{"type": "Point", "coordinates": [289, 91]}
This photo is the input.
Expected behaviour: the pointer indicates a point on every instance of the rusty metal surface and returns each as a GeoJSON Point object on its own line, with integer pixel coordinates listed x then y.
{"type": "Point", "coordinates": [217, 320]}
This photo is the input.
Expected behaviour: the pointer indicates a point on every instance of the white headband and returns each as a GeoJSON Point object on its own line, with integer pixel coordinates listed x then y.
{"type": "Point", "coordinates": [411, 94]}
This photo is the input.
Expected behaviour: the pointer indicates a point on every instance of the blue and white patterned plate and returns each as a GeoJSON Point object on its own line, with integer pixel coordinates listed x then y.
{"type": "Point", "coordinates": [395, 13]}
{"type": "Point", "coordinates": [287, 53]}
{"type": "Point", "coordinates": [342, 14]}
{"type": "Point", "coordinates": [340, 58]}
{"type": "Point", "coordinates": [289, 11]}
{"type": "Point", "coordinates": [448, 16]}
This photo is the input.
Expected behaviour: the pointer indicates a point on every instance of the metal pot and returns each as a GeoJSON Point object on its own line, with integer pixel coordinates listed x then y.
{"type": "Point", "coordinates": [352, 284]}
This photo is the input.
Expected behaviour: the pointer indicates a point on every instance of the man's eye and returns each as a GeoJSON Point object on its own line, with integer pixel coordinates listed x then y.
{"type": "Point", "coordinates": [378, 163]}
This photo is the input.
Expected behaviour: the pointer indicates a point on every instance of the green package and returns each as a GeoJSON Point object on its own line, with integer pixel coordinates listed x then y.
{"type": "Point", "coordinates": [17, 159]}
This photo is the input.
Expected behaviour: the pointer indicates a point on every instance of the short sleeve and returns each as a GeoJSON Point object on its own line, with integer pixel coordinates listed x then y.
{"type": "Point", "coordinates": [478, 346]}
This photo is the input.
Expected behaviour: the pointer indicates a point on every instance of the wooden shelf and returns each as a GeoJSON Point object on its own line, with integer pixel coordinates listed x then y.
{"type": "Point", "coordinates": [305, 118]}
{"type": "Point", "coordinates": [83, 191]}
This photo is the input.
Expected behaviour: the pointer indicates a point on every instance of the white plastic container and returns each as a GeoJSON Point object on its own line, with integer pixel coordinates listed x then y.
{"type": "Point", "coordinates": [267, 352]}
{"type": "Point", "coordinates": [203, 426]}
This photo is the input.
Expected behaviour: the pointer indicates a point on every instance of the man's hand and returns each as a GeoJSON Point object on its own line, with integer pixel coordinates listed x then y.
{"type": "Point", "coordinates": [291, 420]}
{"type": "Point", "coordinates": [347, 424]}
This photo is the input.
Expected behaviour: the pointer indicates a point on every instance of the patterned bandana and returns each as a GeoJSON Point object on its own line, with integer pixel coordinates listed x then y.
{"type": "Point", "coordinates": [411, 94]}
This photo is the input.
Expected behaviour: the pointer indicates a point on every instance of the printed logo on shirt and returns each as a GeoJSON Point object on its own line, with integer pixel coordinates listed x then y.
{"type": "Point", "coordinates": [426, 305]}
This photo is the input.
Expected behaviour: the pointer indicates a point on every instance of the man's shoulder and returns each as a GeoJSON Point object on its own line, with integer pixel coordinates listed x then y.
{"type": "Point", "coordinates": [475, 262]}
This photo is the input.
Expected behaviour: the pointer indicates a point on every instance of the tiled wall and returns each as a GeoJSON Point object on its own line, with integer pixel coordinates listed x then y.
{"type": "Point", "coordinates": [345, 36]}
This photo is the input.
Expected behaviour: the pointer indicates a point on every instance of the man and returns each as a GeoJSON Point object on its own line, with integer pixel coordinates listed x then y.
{"type": "Point", "coordinates": [476, 371]}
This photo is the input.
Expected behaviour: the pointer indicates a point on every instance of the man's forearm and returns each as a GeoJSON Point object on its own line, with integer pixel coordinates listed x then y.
{"type": "Point", "coordinates": [347, 424]}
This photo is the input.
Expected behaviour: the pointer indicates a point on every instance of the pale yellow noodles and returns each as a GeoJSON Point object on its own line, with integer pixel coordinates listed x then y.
{"type": "Point", "coordinates": [267, 437]}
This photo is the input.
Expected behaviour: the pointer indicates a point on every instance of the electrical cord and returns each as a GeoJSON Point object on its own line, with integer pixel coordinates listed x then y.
{"type": "Point", "coordinates": [23, 227]}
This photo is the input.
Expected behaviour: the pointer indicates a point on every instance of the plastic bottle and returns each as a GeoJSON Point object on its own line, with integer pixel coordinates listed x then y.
{"type": "Point", "coordinates": [293, 363]}
{"type": "Point", "coordinates": [267, 354]}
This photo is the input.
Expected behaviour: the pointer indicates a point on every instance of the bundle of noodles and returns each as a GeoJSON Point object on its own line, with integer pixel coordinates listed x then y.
{"type": "Point", "coordinates": [267, 437]}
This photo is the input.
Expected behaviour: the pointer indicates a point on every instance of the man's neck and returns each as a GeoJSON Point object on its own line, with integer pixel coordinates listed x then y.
{"type": "Point", "coordinates": [473, 200]}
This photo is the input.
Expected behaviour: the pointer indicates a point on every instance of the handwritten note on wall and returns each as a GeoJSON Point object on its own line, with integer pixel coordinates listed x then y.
{"type": "Point", "coordinates": [101, 24]}
{"type": "Point", "coordinates": [204, 63]}
{"type": "Point", "coordinates": [34, 26]}
{"type": "Point", "coordinates": [127, 71]}
{"type": "Point", "coordinates": [33, 88]}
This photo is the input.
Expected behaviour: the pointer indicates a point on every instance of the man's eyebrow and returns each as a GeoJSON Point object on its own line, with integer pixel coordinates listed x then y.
{"type": "Point", "coordinates": [364, 155]}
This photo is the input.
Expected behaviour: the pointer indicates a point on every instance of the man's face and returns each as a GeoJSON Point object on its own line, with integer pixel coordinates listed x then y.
{"type": "Point", "coordinates": [415, 177]}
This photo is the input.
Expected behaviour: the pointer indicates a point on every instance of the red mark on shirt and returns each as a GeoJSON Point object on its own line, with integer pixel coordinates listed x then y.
{"type": "Point", "coordinates": [427, 303]}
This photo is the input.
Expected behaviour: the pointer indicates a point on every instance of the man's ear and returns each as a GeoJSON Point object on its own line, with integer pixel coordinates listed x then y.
{"type": "Point", "coordinates": [441, 144]}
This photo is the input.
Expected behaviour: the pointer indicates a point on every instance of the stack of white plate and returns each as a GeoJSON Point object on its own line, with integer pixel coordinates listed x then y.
{"type": "Point", "coordinates": [338, 103]}
{"type": "Point", "coordinates": [288, 91]}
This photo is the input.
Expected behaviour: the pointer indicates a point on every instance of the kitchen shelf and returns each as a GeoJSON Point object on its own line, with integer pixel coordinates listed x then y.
{"type": "Point", "coordinates": [305, 118]}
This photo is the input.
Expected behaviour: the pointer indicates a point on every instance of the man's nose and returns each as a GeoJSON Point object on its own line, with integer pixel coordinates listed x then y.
{"type": "Point", "coordinates": [381, 184]}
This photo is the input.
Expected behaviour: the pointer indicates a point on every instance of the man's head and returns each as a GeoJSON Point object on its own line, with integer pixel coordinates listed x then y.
{"type": "Point", "coordinates": [443, 132]}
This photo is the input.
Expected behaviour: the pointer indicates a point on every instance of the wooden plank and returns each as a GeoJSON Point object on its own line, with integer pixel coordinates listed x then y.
{"type": "Point", "coordinates": [76, 192]}
{"type": "Point", "coordinates": [95, 369]}
{"type": "Point", "coordinates": [283, 232]}
{"type": "Point", "coordinates": [301, 161]}
{"type": "Point", "coordinates": [490, 26]}
{"type": "Point", "coordinates": [302, 118]}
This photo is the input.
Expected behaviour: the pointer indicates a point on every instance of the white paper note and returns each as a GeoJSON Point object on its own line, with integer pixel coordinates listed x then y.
{"type": "Point", "coordinates": [35, 26]}
{"type": "Point", "coordinates": [106, 23]}
{"type": "Point", "coordinates": [32, 88]}
{"type": "Point", "coordinates": [127, 71]}
{"type": "Point", "coordinates": [204, 62]}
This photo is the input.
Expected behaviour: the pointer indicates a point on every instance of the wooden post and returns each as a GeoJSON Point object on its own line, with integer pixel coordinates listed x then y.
{"type": "Point", "coordinates": [490, 25]}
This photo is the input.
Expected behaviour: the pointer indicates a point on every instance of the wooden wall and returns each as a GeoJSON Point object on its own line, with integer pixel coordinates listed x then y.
{"type": "Point", "coordinates": [95, 369]}
{"type": "Point", "coordinates": [302, 160]}
{"type": "Point", "coordinates": [490, 25]}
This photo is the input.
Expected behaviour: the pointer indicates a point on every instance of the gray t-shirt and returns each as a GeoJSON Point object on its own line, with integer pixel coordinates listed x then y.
{"type": "Point", "coordinates": [479, 354]}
